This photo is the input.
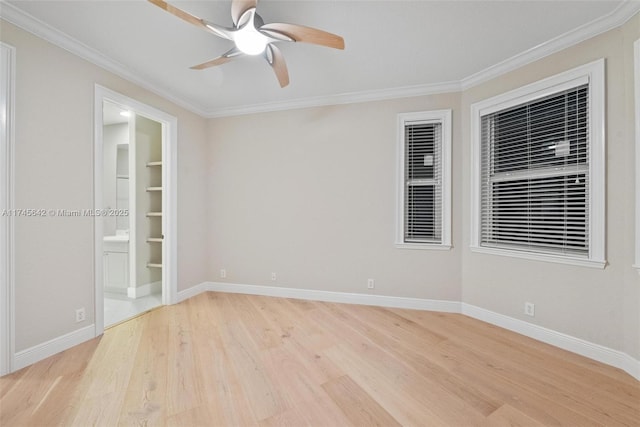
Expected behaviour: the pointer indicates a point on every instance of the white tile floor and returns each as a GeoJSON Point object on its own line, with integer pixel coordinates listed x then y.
{"type": "Point", "coordinates": [118, 307]}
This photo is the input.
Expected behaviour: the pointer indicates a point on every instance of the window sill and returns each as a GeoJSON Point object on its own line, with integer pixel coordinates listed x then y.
{"type": "Point", "coordinates": [424, 246]}
{"type": "Point", "coordinates": [558, 259]}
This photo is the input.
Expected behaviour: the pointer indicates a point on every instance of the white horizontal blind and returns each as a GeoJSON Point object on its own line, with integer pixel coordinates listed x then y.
{"type": "Point", "coordinates": [423, 183]}
{"type": "Point", "coordinates": [535, 175]}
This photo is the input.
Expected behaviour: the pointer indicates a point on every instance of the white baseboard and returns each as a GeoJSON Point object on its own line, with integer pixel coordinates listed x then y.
{"type": "Point", "coordinates": [579, 346]}
{"type": "Point", "coordinates": [144, 290]}
{"type": "Point", "coordinates": [341, 297]}
{"type": "Point", "coordinates": [42, 351]}
{"type": "Point", "coordinates": [191, 292]}
{"type": "Point", "coordinates": [630, 365]}
{"type": "Point", "coordinates": [570, 343]}
{"type": "Point", "coordinates": [588, 349]}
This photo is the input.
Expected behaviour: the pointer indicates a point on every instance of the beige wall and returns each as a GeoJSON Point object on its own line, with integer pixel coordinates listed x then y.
{"type": "Point", "coordinates": [600, 306]}
{"type": "Point", "coordinates": [311, 194]}
{"type": "Point", "coordinates": [54, 169]}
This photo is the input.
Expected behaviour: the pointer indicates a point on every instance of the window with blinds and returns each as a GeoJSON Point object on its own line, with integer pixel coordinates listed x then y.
{"type": "Point", "coordinates": [535, 175]}
{"type": "Point", "coordinates": [423, 195]}
{"type": "Point", "coordinates": [538, 170]}
{"type": "Point", "coordinates": [424, 175]}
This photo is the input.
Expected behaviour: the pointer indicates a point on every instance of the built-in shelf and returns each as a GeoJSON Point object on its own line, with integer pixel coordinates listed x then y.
{"type": "Point", "coordinates": [157, 233]}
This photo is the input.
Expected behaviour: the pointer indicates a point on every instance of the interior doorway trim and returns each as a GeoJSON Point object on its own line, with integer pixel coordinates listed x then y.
{"type": "Point", "coordinates": [636, 91]}
{"type": "Point", "coordinates": [7, 283]}
{"type": "Point", "coordinates": [169, 200]}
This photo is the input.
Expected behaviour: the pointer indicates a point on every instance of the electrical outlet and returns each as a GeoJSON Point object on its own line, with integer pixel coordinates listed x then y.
{"type": "Point", "coordinates": [80, 315]}
{"type": "Point", "coordinates": [273, 276]}
{"type": "Point", "coordinates": [371, 284]}
{"type": "Point", "coordinates": [223, 273]}
{"type": "Point", "coordinates": [529, 309]}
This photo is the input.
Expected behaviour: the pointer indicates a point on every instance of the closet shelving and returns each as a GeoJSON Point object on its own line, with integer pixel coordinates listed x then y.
{"type": "Point", "coordinates": [154, 214]}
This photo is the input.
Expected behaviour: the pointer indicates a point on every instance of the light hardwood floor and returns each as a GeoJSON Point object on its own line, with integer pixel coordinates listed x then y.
{"type": "Point", "coordinates": [224, 359]}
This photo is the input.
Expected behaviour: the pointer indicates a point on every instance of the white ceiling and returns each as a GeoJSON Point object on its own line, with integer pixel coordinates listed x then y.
{"type": "Point", "coordinates": [389, 44]}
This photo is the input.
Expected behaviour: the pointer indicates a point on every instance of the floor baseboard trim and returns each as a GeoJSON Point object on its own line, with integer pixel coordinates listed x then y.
{"type": "Point", "coordinates": [191, 292]}
{"type": "Point", "coordinates": [579, 346]}
{"type": "Point", "coordinates": [42, 351]}
{"type": "Point", "coordinates": [144, 290]}
{"type": "Point", "coordinates": [631, 366]}
{"type": "Point", "coordinates": [606, 355]}
{"type": "Point", "coordinates": [341, 297]}
{"type": "Point", "coordinates": [570, 343]}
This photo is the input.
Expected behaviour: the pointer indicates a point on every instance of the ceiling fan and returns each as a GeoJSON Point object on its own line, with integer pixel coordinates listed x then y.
{"type": "Point", "coordinates": [253, 37]}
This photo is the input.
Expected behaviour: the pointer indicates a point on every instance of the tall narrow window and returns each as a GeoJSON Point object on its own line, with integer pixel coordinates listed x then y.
{"type": "Point", "coordinates": [540, 167]}
{"type": "Point", "coordinates": [424, 178]}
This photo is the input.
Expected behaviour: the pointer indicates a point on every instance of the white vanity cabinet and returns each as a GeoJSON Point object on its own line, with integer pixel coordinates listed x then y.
{"type": "Point", "coordinates": [116, 266]}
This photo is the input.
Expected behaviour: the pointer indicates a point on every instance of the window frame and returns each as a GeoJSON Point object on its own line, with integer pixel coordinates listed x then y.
{"type": "Point", "coordinates": [592, 73]}
{"type": "Point", "coordinates": [443, 117]}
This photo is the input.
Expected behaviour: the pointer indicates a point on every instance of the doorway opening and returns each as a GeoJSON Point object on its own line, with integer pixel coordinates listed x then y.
{"type": "Point", "coordinates": [135, 208]}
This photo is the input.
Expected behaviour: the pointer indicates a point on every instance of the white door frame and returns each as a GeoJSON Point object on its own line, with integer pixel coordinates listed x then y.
{"type": "Point", "coordinates": [636, 91]}
{"type": "Point", "coordinates": [7, 132]}
{"type": "Point", "coordinates": [169, 196]}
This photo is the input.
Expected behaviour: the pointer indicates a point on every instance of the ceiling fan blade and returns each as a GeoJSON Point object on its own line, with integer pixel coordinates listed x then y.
{"type": "Point", "coordinates": [225, 57]}
{"type": "Point", "coordinates": [239, 7]}
{"type": "Point", "coordinates": [300, 33]}
{"type": "Point", "coordinates": [277, 62]}
{"type": "Point", "coordinates": [275, 36]}
{"type": "Point", "coordinates": [198, 22]}
{"type": "Point", "coordinates": [180, 13]}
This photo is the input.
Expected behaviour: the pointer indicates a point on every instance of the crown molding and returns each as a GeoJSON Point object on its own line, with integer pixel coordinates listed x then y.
{"type": "Point", "coordinates": [617, 17]}
{"type": "Point", "coordinates": [340, 99]}
{"type": "Point", "coordinates": [29, 23]}
{"type": "Point", "coordinates": [614, 19]}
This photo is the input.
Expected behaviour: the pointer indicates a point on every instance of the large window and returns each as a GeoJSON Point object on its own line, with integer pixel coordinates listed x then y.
{"type": "Point", "coordinates": [424, 155]}
{"type": "Point", "coordinates": [539, 169]}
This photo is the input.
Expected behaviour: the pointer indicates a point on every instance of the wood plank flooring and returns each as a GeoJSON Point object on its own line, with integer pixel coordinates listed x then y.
{"type": "Point", "coordinates": [226, 359]}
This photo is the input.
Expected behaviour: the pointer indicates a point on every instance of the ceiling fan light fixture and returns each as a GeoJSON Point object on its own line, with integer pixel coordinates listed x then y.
{"type": "Point", "coordinates": [250, 41]}
{"type": "Point", "coordinates": [252, 36]}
